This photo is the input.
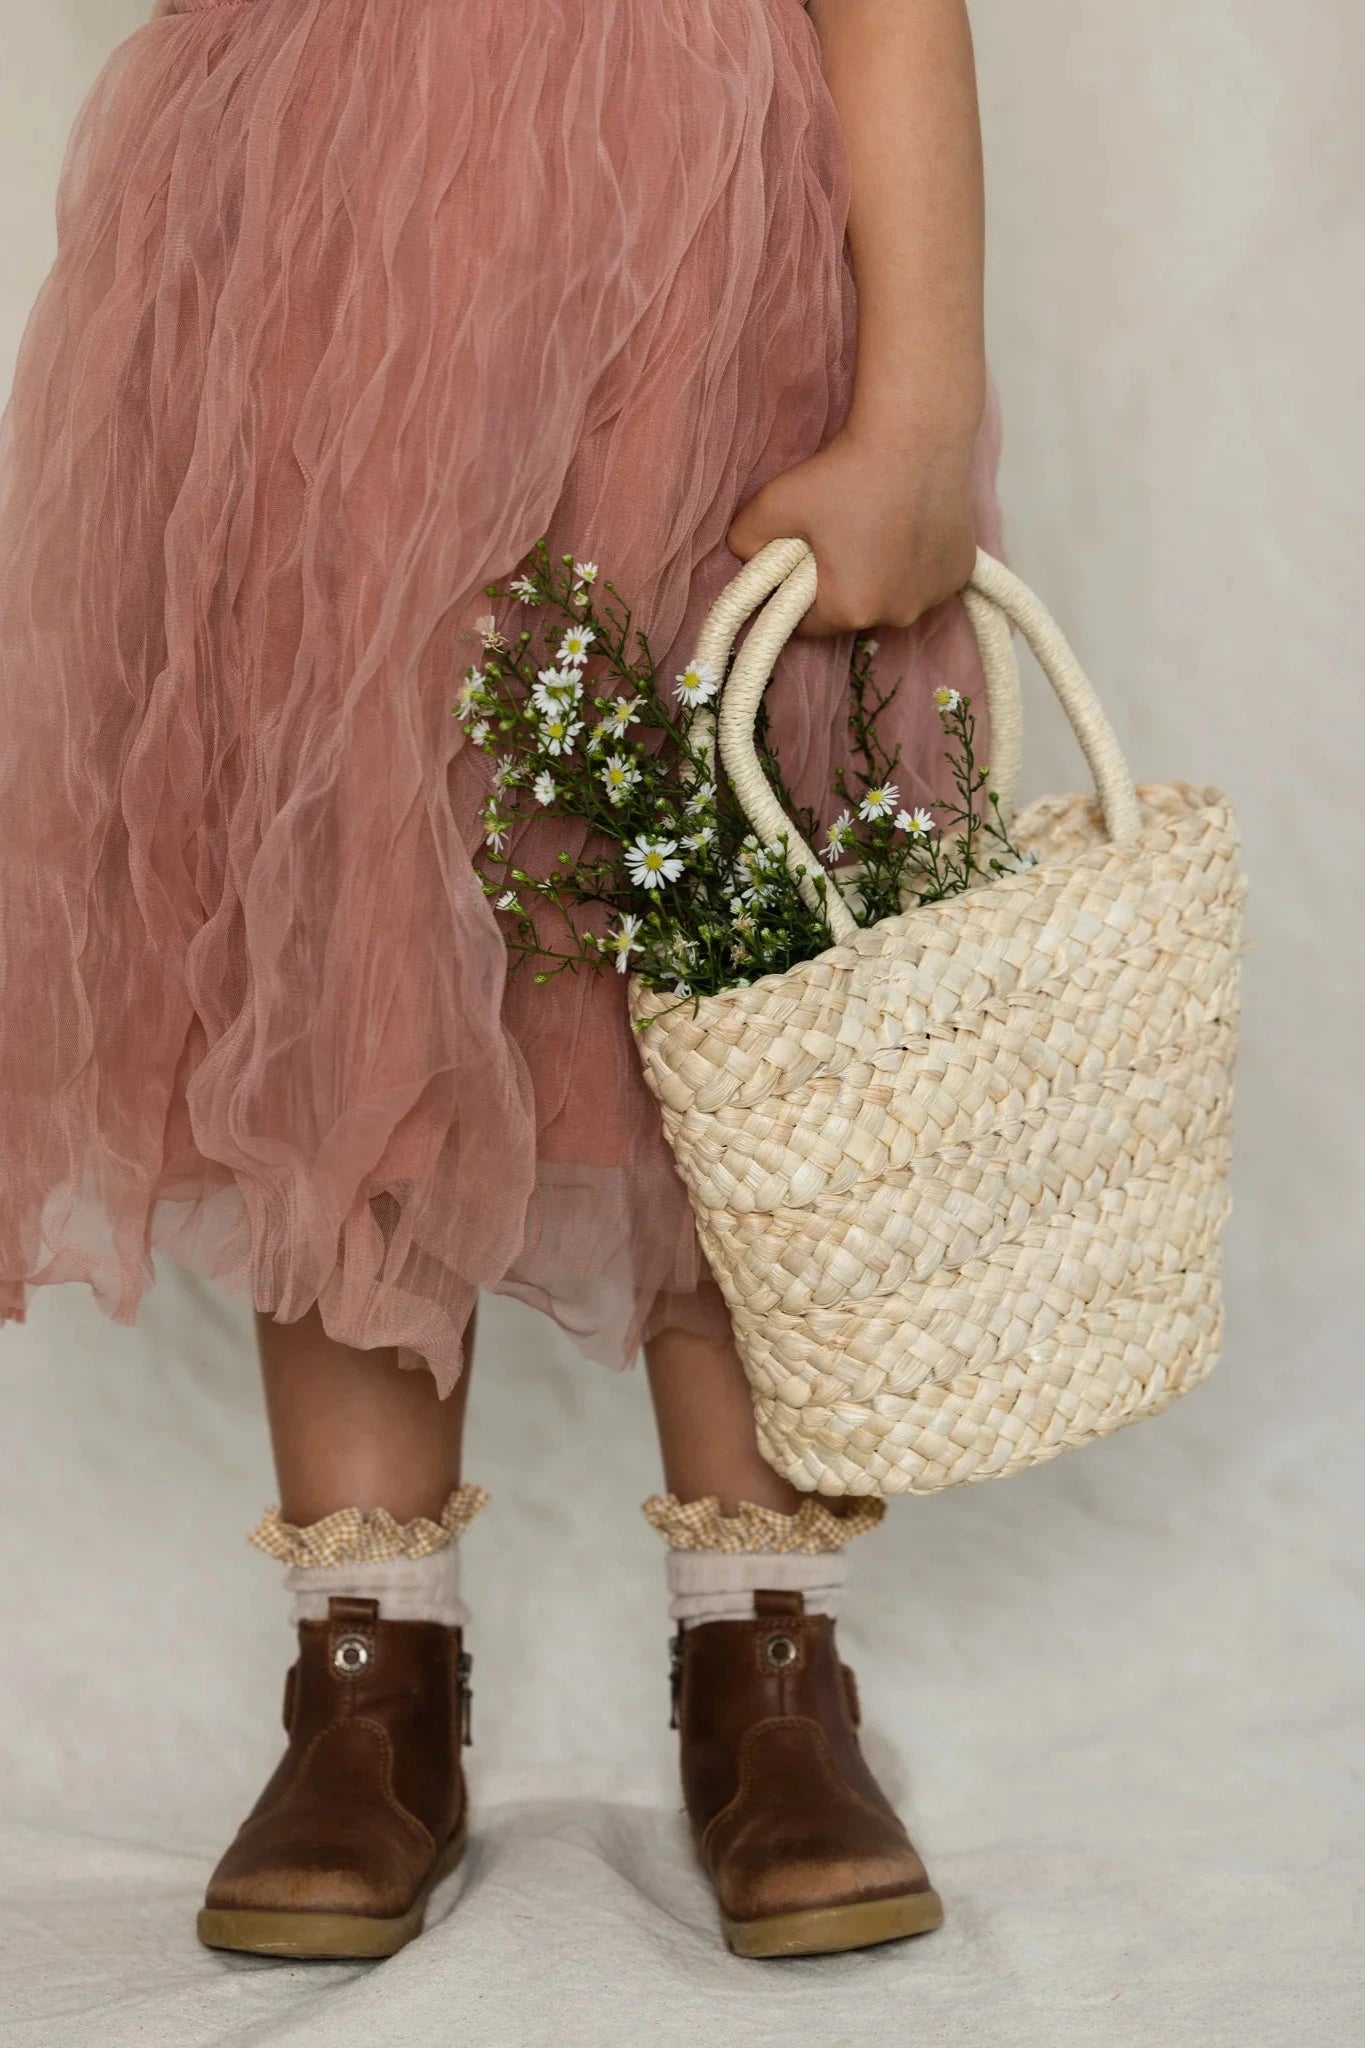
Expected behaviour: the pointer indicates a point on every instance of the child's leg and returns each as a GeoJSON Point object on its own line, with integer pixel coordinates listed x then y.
{"type": "Point", "coordinates": [350, 1429]}
{"type": "Point", "coordinates": [802, 1846]}
{"type": "Point", "coordinates": [367, 1808]}
{"type": "Point", "coordinates": [705, 1420]}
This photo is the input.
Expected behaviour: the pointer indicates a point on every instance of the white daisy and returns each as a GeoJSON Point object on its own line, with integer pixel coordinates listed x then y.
{"type": "Point", "coordinates": [543, 788]}
{"type": "Point", "coordinates": [652, 862]}
{"type": "Point", "coordinates": [682, 989]}
{"type": "Point", "coordinates": [478, 732]}
{"type": "Point", "coordinates": [947, 700]}
{"type": "Point", "coordinates": [558, 730]}
{"type": "Point", "coordinates": [697, 684]}
{"type": "Point", "coordinates": [487, 629]}
{"type": "Point", "coordinates": [840, 836]}
{"type": "Point", "coordinates": [573, 648]}
{"type": "Point", "coordinates": [759, 863]}
{"type": "Point", "coordinates": [509, 900]}
{"type": "Point", "coordinates": [505, 772]}
{"type": "Point", "coordinates": [919, 824]}
{"type": "Point", "coordinates": [702, 797]}
{"type": "Point", "coordinates": [879, 802]}
{"type": "Point", "coordinates": [556, 687]}
{"type": "Point", "coordinates": [749, 871]}
{"type": "Point", "coordinates": [471, 696]}
{"type": "Point", "coordinates": [870, 646]}
{"type": "Point", "coordinates": [619, 776]}
{"type": "Point", "coordinates": [623, 942]}
{"type": "Point", "coordinates": [495, 829]}
{"type": "Point", "coordinates": [620, 716]}
{"type": "Point", "coordinates": [525, 589]}
{"type": "Point", "coordinates": [698, 841]}
{"type": "Point", "coordinates": [586, 572]}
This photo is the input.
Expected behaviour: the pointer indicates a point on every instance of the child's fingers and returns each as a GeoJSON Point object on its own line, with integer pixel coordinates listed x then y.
{"type": "Point", "coordinates": [754, 525]}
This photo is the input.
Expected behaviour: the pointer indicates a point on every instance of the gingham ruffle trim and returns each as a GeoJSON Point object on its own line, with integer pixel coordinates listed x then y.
{"type": "Point", "coordinates": [812, 1530]}
{"type": "Point", "coordinates": [366, 1535]}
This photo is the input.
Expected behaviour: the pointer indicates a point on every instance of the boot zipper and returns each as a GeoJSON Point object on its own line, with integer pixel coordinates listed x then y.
{"type": "Point", "coordinates": [464, 1666]}
{"type": "Point", "coordinates": [675, 1672]}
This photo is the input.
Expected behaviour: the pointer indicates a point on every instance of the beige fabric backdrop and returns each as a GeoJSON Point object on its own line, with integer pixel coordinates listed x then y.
{"type": "Point", "coordinates": [1122, 1698]}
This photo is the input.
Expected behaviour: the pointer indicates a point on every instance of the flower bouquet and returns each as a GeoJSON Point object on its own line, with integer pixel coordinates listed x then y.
{"type": "Point", "coordinates": [675, 885]}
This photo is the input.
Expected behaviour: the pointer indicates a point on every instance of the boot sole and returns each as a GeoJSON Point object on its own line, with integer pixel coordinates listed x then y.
{"type": "Point", "coordinates": [828, 1930]}
{"type": "Point", "coordinates": [325, 1937]}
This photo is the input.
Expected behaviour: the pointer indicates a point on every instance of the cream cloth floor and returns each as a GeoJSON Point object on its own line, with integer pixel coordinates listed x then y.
{"type": "Point", "coordinates": [1119, 1698]}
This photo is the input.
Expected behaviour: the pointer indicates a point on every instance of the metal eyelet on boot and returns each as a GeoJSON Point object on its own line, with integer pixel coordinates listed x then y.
{"type": "Point", "coordinates": [350, 1656]}
{"type": "Point", "coordinates": [780, 1652]}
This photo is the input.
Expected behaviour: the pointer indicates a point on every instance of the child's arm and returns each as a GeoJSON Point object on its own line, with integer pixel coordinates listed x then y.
{"type": "Point", "coordinates": [885, 505]}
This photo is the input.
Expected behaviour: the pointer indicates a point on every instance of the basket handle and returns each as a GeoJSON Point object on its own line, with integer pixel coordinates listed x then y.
{"type": "Point", "coordinates": [996, 601]}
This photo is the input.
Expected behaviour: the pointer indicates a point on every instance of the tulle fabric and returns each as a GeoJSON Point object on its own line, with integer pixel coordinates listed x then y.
{"type": "Point", "coordinates": [354, 300]}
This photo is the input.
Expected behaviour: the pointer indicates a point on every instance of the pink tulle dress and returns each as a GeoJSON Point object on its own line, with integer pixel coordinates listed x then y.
{"type": "Point", "coordinates": [354, 300]}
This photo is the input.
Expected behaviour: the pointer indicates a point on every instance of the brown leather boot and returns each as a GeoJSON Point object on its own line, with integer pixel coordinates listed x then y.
{"type": "Point", "coordinates": [799, 1840]}
{"type": "Point", "coordinates": [366, 1811]}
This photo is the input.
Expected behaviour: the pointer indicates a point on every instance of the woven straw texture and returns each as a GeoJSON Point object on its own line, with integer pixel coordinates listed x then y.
{"type": "Point", "coordinates": [962, 1178]}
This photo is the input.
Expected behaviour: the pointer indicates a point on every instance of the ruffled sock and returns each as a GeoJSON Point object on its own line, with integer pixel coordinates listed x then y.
{"type": "Point", "coordinates": [411, 1568]}
{"type": "Point", "coordinates": [716, 1563]}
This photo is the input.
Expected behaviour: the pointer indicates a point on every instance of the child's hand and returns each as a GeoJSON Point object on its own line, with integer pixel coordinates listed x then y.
{"type": "Point", "coordinates": [891, 528]}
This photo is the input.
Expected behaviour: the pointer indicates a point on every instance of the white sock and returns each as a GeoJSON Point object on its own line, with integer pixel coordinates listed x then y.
{"type": "Point", "coordinates": [407, 1588]}
{"type": "Point", "coordinates": [716, 1585]}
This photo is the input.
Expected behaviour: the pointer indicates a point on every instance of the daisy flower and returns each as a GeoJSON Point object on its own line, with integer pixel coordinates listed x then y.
{"type": "Point", "coordinates": [682, 989]}
{"type": "Point", "coordinates": [525, 589]}
{"type": "Point", "coordinates": [556, 687]}
{"type": "Point", "coordinates": [750, 863]}
{"type": "Point", "coordinates": [698, 841]}
{"type": "Point", "coordinates": [701, 799]}
{"type": "Point", "coordinates": [478, 732]}
{"type": "Point", "coordinates": [470, 696]}
{"type": "Point", "coordinates": [879, 802]}
{"type": "Point", "coordinates": [697, 684]}
{"type": "Point", "coordinates": [559, 729]}
{"type": "Point", "coordinates": [573, 648]}
{"type": "Point", "coordinates": [840, 837]}
{"type": "Point", "coordinates": [509, 900]}
{"type": "Point", "coordinates": [586, 572]}
{"type": "Point", "coordinates": [947, 700]}
{"type": "Point", "coordinates": [543, 788]}
{"type": "Point", "coordinates": [652, 862]}
{"type": "Point", "coordinates": [919, 824]}
{"type": "Point", "coordinates": [620, 715]}
{"type": "Point", "coordinates": [496, 828]}
{"type": "Point", "coordinates": [487, 630]}
{"type": "Point", "coordinates": [869, 646]}
{"type": "Point", "coordinates": [619, 776]}
{"type": "Point", "coordinates": [623, 942]}
{"type": "Point", "coordinates": [505, 773]}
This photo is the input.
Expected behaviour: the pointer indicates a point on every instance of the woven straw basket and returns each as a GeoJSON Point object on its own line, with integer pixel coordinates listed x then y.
{"type": "Point", "coordinates": [962, 1178]}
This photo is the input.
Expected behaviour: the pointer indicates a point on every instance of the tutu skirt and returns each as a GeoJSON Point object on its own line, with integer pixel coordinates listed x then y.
{"type": "Point", "coordinates": [354, 300]}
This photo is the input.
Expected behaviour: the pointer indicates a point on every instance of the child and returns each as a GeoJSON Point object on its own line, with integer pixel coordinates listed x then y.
{"type": "Point", "coordinates": [354, 301]}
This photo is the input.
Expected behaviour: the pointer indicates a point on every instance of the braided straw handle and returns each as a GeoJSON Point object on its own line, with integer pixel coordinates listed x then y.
{"type": "Point", "coordinates": [996, 600]}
